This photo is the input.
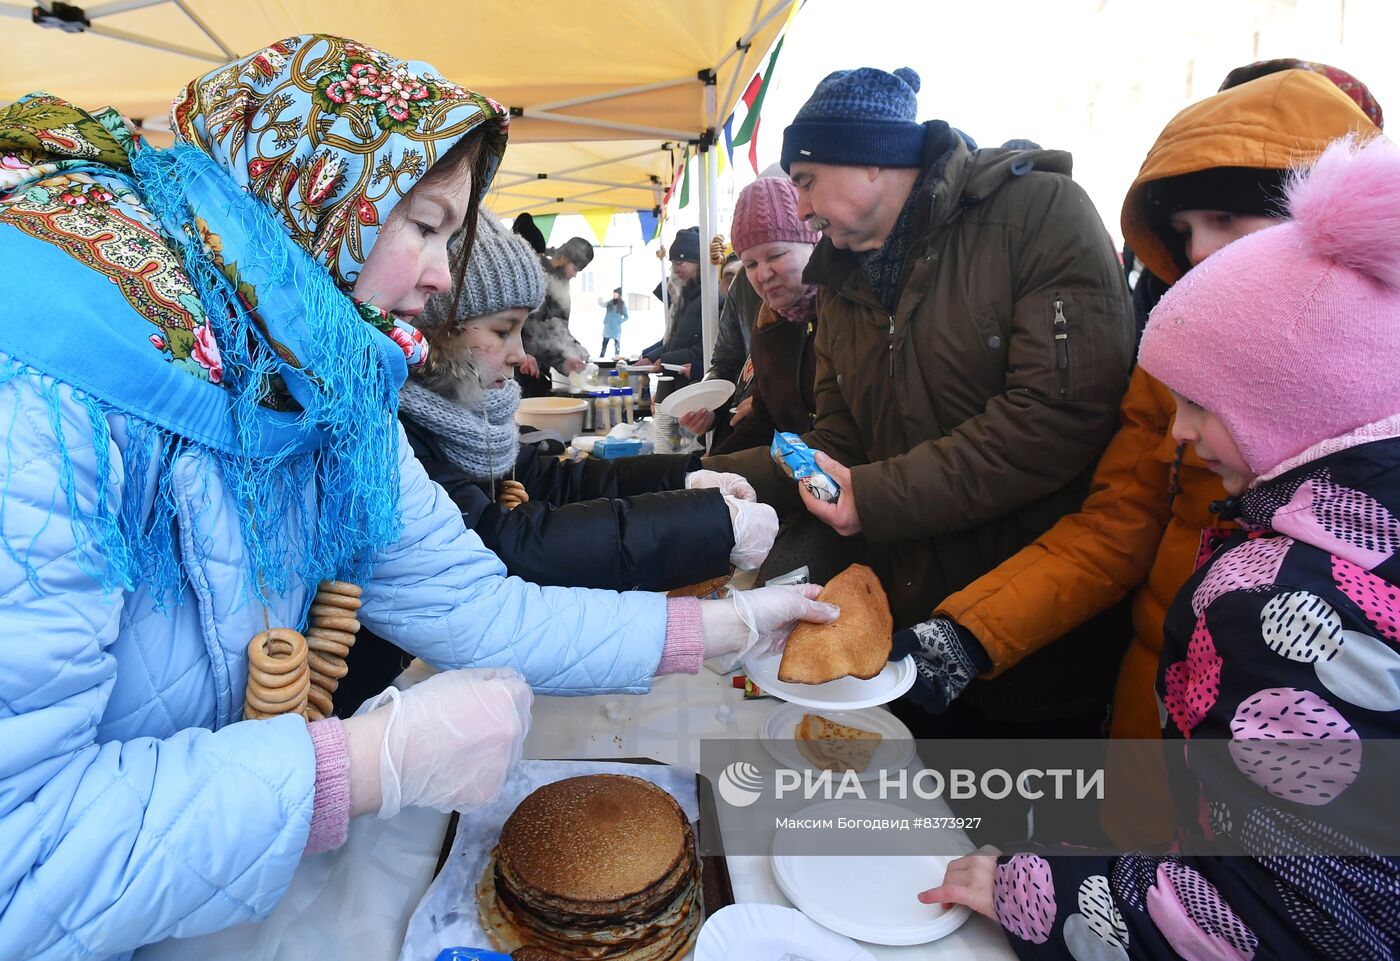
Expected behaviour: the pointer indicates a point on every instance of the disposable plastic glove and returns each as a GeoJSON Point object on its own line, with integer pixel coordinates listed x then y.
{"type": "Point", "coordinates": [732, 485]}
{"type": "Point", "coordinates": [755, 527]}
{"type": "Point", "coordinates": [447, 743]}
{"type": "Point", "coordinates": [761, 619]}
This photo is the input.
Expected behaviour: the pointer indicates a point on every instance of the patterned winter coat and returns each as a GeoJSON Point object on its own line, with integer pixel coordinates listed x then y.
{"type": "Point", "coordinates": [1284, 646]}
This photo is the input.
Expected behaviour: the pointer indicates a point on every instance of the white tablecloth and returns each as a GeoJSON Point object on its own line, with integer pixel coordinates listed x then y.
{"type": "Point", "coordinates": [354, 903]}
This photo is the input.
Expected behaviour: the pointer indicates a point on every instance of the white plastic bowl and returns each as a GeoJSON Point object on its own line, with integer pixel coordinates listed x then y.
{"type": "Point", "coordinates": [563, 415]}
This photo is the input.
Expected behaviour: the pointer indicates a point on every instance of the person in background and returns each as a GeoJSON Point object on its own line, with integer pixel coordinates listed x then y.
{"type": "Point", "coordinates": [1278, 352]}
{"type": "Point", "coordinates": [525, 226]}
{"type": "Point", "coordinates": [1214, 175]}
{"type": "Point", "coordinates": [681, 345]}
{"type": "Point", "coordinates": [548, 343]}
{"type": "Point", "coordinates": [613, 318]}
{"type": "Point", "coordinates": [774, 247]}
{"type": "Point", "coordinates": [727, 272]}
{"type": "Point", "coordinates": [973, 343]}
{"type": "Point", "coordinates": [615, 525]}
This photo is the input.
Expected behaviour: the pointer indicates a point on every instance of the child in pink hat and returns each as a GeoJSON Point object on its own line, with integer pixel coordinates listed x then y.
{"type": "Point", "coordinates": [1281, 657]}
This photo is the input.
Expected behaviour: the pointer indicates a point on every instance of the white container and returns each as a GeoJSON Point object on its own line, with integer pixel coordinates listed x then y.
{"type": "Point", "coordinates": [563, 415]}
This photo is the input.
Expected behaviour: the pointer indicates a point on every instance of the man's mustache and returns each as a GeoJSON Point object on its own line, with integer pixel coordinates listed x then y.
{"type": "Point", "coordinates": [817, 223]}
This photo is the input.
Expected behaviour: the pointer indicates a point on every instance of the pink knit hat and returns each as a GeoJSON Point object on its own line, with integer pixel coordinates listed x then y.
{"type": "Point", "coordinates": [1291, 335]}
{"type": "Point", "coordinates": [766, 213]}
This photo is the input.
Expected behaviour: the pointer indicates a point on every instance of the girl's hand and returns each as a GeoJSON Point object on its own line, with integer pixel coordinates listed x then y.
{"type": "Point", "coordinates": [971, 881]}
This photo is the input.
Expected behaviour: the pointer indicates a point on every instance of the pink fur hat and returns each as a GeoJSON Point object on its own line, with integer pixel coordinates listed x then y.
{"type": "Point", "coordinates": [1291, 335]}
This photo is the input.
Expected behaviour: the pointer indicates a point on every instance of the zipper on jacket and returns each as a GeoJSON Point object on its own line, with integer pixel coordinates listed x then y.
{"type": "Point", "coordinates": [1062, 346]}
{"type": "Point", "coordinates": [891, 350]}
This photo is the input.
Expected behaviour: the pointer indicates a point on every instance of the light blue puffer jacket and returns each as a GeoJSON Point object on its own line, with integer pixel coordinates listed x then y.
{"type": "Point", "coordinates": [134, 805]}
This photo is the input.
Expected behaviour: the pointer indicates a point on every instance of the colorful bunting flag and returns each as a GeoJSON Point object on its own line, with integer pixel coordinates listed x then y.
{"type": "Point", "coordinates": [599, 219]}
{"type": "Point", "coordinates": [649, 222]}
{"type": "Point", "coordinates": [546, 223]}
{"type": "Point", "coordinates": [746, 130]}
{"type": "Point", "coordinates": [729, 137]}
{"type": "Point", "coordinates": [685, 180]}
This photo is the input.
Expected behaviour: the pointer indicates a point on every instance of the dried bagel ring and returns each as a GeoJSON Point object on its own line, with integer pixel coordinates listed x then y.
{"type": "Point", "coordinates": [339, 601]}
{"type": "Point", "coordinates": [343, 588]}
{"type": "Point", "coordinates": [344, 623]}
{"type": "Point", "coordinates": [290, 703]}
{"type": "Point", "coordinates": [273, 687]}
{"type": "Point", "coordinates": [512, 494]}
{"type": "Point", "coordinates": [327, 667]}
{"type": "Point", "coordinates": [327, 648]}
{"type": "Point", "coordinates": [326, 633]}
{"type": "Point", "coordinates": [277, 650]}
{"type": "Point", "coordinates": [320, 613]}
{"type": "Point", "coordinates": [320, 700]}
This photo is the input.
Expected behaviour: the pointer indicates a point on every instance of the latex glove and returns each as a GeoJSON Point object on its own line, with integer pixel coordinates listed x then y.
{"type": "Point", "coordinates": [947, 656]}
{"type": "Point", "coordinates": [761, 619]}
{"type": "Point", "coordinates": [698, 421]}
{"type": "Point", "coordinates": [755, 528]}
{"type": "Point", "coordinates": [447, 743]}
{"type": "Point", "coordinates": [730, 485]}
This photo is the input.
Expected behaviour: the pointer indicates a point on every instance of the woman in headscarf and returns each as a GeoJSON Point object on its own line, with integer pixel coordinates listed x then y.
{"type": "Point", "coordinates": [202, 429]}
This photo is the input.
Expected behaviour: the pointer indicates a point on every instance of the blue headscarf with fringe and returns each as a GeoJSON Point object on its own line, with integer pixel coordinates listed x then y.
{"type": "Point", "coordinates": [206, 291]}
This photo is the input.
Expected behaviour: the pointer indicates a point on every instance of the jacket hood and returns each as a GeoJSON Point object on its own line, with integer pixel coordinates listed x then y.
{"type": "Point", "coordinates": [1273, 123]}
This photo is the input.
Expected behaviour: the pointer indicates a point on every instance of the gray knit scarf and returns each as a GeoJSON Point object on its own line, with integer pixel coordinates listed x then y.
{"type": "Point", "coordinates": [483, 441]}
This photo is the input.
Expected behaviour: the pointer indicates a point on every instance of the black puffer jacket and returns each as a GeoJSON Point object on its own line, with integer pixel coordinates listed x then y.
{"type": "Point", "coordinates": [619, 525]}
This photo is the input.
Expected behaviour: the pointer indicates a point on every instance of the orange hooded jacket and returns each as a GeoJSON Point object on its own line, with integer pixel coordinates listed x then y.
{"type": "Point", "coordinates": [1132, 534]}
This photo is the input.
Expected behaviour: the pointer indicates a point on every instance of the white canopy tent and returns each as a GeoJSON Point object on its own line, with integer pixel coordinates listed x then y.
{"type": "Point", "coordinates": [603, 97]}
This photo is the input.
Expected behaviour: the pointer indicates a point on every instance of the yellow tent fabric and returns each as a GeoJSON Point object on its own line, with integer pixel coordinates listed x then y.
{"type": "Point", "coordinates": [619, 70]}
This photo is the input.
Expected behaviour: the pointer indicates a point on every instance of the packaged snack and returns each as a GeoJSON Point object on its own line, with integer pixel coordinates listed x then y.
{"type": "Point", "coordinates": [797, 459]}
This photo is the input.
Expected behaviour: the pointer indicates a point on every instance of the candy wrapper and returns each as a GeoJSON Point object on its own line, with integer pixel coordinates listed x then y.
{"type": "Point", "coordinates": [798, 461]}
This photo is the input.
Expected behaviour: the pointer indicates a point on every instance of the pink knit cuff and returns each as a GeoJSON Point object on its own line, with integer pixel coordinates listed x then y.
{"type": "Point", "coordinates": [685, 638]}
{"type": "Point", "coordinates": [330, 812]}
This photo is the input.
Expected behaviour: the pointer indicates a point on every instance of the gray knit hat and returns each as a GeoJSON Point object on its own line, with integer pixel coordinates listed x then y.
{"type": "Point", "coordinates": [503, 273]}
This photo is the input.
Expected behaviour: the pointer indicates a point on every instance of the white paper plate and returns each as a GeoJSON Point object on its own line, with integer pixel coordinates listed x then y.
{"type": "Point", "coordinates": [770, 932]}
{"type": "Point", "coordinates": [705, 395]}
{"type": "Point", "coordinates": [584, 442]}
{"type": "Point", "coordinates": [895, 751]}
{"type": "Point", "coordinates": [844, 694]}
{"type": "Point", "coordinates": [884, 908]}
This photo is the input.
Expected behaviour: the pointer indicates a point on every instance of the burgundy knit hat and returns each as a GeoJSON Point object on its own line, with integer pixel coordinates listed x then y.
{"type": "Point", "coordinates": [766, 213]}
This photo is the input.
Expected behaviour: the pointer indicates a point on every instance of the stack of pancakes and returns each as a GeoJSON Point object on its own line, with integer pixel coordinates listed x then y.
{"type": "Point", "coordinates": [601, 867]}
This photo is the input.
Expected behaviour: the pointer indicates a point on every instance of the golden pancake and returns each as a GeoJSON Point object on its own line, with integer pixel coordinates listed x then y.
{"type": "Point", "coordinates": [856, 644]}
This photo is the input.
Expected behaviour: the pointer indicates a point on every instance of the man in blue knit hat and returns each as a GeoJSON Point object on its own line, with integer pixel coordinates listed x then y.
{"type": "Point", "coordinates": [975, 338]}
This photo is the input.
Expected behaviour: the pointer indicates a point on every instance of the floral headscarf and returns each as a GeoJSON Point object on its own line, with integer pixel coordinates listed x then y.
{"type": "Point", "coordinates": [232, 257]}
{"type": "Point", "coordinates": [329, 133]}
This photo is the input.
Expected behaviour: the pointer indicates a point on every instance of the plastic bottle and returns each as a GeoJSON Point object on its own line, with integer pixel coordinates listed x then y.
{"type": "Point", "coordinates": [602, 412]}
{"type": "Point", "coordinates": [629, 405]}
{"type": "Point", "coordinates": [615, 405]}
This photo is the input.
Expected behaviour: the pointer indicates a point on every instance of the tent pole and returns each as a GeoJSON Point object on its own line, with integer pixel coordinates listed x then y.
{"type": "Point", "coordinates": [154, 44]}
{"type": "Point", "coordinates": [709, 278]}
